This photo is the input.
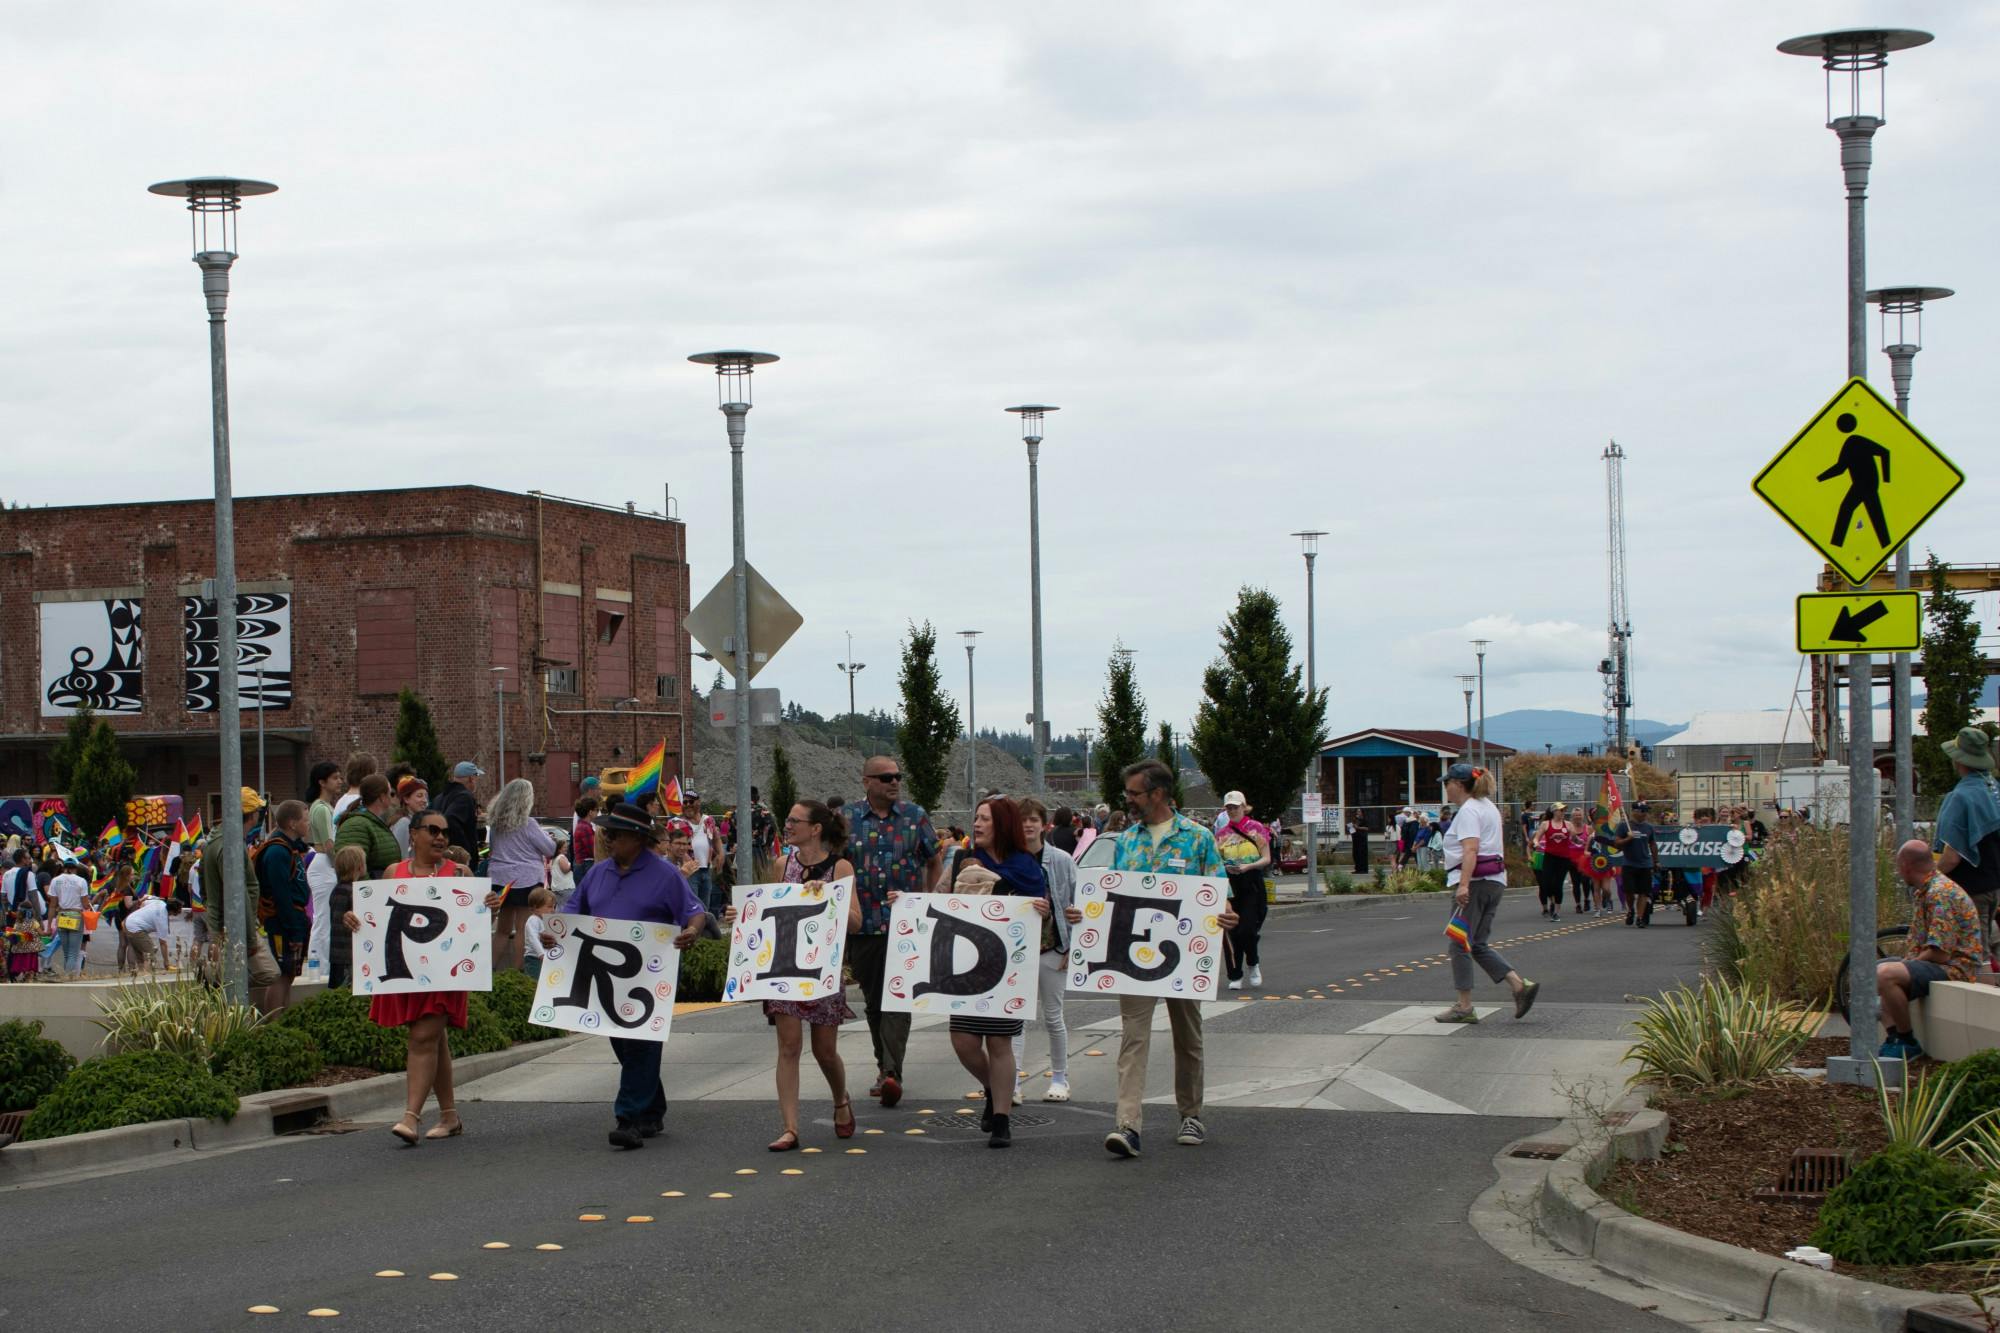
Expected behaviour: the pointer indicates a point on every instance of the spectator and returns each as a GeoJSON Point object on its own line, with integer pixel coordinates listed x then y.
{"type": "Point", "coordinates": [350, 866]}
{"type": "Point", "coordinates": [583, 836]}
{"type": "Point", "coordinates": [1946, 943]}
{"type": "Point", "coordinates": [284, 896]}
{"type": "Point", "coordinates": [21, 889]}
{"type": "Point", "coordinates": [323, 787]}
{"type": "Point", "coordinates": [460, 807]}
{"type": "Point", "coordinates": [413, 797]}
{"type": "Point", "coordinates": [1635, 881]}
{"type": "Point", "coordinates": [146, 931]}
{"type": "Point", "coordinates": [894, 850]}
{"type": "Point", "coordinates": [1062, 831]}
{"type": "Point", "coordinates": [1059, 873]}
{"type": "Point", "coordinates": [705, 846]}
{"type": "Point", "coordinates": [541, 903]}
{"type": "Point", "coordinates": [359, 765]}
{"type": "Point", "coordinates": [70, 892]}
{"type": "Point", "coordinates": [262, 967]}
{"type": "Point", "coordinates": [1968, 825]}
{"type": "Point", "coordinates": [1357, 829]}
{"type": "Point", "coordinates": [1245, 847]}
{"type": "Point", "coordinates": [367, 826]}
{"type": "Point", "coordinates": [518, 866]}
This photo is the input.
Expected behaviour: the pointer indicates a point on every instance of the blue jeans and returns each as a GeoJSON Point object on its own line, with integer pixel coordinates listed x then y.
{"type": "Point", "coordinates": [72, 950]}
{"type": "Point", "coordinates": [703, 884]}
{"type": "Point", "coordinates": [641, 1095]}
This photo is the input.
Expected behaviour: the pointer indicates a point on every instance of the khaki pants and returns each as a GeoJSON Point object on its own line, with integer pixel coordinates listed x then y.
{"type": "Point", "coordinates": [263, 966]}
{"type": "Point", "coordinates": [1184, 1018]}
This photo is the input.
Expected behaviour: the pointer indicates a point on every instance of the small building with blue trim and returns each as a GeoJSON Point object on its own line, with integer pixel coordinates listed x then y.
{"type": "Point", "coordinates": [1367, 776]}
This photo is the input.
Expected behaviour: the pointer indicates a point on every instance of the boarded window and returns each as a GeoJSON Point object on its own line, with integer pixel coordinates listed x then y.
{"type": "Point", "coordinates": [667, 661]}
{"type": "Point", "coordinates": [561, 628]}
{"type": "Point", "coordinates": [503, 615]}
{"type": "Point", "coordinates": [613, 647]}
{"type": "Point", "coordinates": [385, 639]}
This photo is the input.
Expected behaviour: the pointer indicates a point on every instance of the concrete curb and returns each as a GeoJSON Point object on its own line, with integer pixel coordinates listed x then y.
{"type": "Point", "coordinates": [256, 1122]}
{"type": "Point", "coordinates": [1569, 1213]}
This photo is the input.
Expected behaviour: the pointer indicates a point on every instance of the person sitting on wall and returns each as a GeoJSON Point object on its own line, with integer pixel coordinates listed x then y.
{"type": "Point", "coordinates": [1945, 944]}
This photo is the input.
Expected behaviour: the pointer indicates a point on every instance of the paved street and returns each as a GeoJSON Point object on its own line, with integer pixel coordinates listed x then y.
{"type": "Point", "coordinates": [1350, 1136]}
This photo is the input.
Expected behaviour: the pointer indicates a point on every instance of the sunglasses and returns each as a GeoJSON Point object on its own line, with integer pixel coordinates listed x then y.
{"type": "Point", "coordinates": [885, 777]}
{"type": "Point", "coordinates": [439, 829]}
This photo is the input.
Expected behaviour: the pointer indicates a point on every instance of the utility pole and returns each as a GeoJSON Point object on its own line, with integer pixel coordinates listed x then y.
{"type": "Point", "coordinates": [1479, 646]}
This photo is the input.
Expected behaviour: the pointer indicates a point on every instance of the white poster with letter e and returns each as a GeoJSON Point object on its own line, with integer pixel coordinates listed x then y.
{"type": "Point", "coordinates": [610, 978]}
{"type": "Point", "coordinates": [953, 953]}
{"type": "Point", "coordinates": [1147, 934]}
{"type": "Point", "coordinates": [422, 934]}
{"type": "Point", "coordinates": [788, 941]}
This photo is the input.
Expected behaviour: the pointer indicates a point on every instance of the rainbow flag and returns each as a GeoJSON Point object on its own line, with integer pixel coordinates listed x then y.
{"type": "Point", "coordinates": [193, 833]}
{"type": "Point", "coordinates": [645, 779]}
{"type": "Point", "coordinates": [1611, 810]}
{"type": "Point", "coordinates": [180, 834]}
{"type": "Point", "coordinates": [113, 836]}
{"type": "Point", "coordinates": [671, 800]}
{"type": "Point", "coordinates": [1457, 932]}
{"type": "Point", "coordinates": [101, 884]}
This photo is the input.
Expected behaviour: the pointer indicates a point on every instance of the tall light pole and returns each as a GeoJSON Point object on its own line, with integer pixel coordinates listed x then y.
{"type": "Point", "coordinates": [1031, 435]}
{"type": "Point", "coordinates": [851, 668]}
{"type": "Point", "coordinates": [212, 203]}
{"type": "Point", "coordinates": [1479, 646]}
{"type": "Point", "coordinates": [500, 725]}
{"type": "Point", "coordinates": [971, 637]}
{"type": "Point", "coordinates": [1856, 64]}
{"type": "Point", "coordinates": [1309, 544]}
{"type": "Point", "coordinates": [1906, 304]}
{"type": "Point", "coordinates": [1465, 683]}
{"type": "Point", "coordinates": [732, 396]}
{"type": "Point", "coordinates": [1085, 733]}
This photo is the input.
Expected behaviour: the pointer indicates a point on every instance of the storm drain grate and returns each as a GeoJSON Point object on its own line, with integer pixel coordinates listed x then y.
{"type": "Point", "coordinates": [1540, 1152]}
{"type": "Point", "coordinates": [972, 1121]}
{"type": "Point", "coordinates": [1808, 1176]}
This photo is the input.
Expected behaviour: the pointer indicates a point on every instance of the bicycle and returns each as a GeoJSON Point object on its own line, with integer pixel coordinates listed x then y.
{"type": "Point", "coordinates": [1890, 942]}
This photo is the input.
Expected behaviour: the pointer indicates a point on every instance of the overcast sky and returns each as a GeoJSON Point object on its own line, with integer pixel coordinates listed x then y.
{"type": "Point", "coordinates": [1398, 272]}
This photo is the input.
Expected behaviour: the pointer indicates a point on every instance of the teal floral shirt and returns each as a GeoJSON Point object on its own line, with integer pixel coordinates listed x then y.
{"type": "Point", "coordinates": [891, 854]}
{"type": "Point", "coordinates": [1188, 849]}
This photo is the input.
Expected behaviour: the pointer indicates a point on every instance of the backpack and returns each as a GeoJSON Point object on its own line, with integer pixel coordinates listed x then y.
{"type": "Point", "coordinates": [267, 905]}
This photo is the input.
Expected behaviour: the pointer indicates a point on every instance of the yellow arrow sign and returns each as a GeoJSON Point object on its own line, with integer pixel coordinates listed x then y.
{"type": "Point", "coordinates": [1857, 481]}
{"type": "Point", "coordinates": [1860, 622]}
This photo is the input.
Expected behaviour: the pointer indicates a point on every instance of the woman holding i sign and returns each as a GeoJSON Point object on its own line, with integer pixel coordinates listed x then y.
{"type": "Point", "coordinates": [817, 836]}
{"type": "Point", "coordinates": [425, 1013]}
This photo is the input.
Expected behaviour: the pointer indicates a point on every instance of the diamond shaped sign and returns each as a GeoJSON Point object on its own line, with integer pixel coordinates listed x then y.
{"type": "Point", "coordinates": [772, 621]}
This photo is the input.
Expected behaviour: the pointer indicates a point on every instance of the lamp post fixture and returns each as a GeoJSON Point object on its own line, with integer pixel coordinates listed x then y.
{"type": "Point", "coordinates": [1479, 646]}
{"type": "Point", "coordinates": [851, 668]}
{"type": "Point", "coordinates": [1464, 683]}
{"type": "Point", "coordinates": [732, 396]}
{"type": "Point", "coordinates": [1031, 434]}
{"type": "Point", "coordinates": [1856, 63]}
{"type": "Point", "coordinates": [212, 203]}
{"type": "Point", "coordinates": [1906, 305]}
{"type": "Point", "coordinates": [1309, 544]}
{"type": "Point", "coordinates": [1084, 734]}
{"type": "Point", "coordinates": [971, 637]}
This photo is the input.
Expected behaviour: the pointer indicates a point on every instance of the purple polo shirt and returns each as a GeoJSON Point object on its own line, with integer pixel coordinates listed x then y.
{"type": "Point", "coordinates": [651, 890]}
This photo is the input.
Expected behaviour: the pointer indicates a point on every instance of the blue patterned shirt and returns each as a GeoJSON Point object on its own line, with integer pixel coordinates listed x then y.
{"type": "Point", "coordinates": [891, 854]}
{"type": "Point", "coordinates": [1188, 848]}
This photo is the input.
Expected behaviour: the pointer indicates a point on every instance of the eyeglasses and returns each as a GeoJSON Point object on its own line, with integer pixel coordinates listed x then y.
{"type": "Point", "coordinates": [1137, 794]}
{"type": "Point", "coordinates": [884, 777]}
{"type": "Point", "coordinates": [439, 829]}
{"type": "Point", "coordinates": [793, 819]}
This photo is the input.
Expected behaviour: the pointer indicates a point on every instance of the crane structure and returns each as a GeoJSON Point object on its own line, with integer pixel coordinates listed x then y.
{"type": "Point", "coordinates": [1616, 668]}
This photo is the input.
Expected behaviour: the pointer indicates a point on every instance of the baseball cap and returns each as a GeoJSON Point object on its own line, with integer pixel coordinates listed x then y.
{"type": "Point", "coordinates": [252, 802]}
{"type": "Point", "coordinates": [590, 782]}
{"type": "Point", "coordinates": [1234, 798]}
{"type": "Point", "coordinates": [1461, 773]}
{"type": "Point", "coordinates": [465, 768]}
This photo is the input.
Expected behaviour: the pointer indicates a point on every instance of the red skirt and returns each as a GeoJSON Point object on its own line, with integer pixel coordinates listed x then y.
{"type": "Point", "coordinates": [395, 1011]}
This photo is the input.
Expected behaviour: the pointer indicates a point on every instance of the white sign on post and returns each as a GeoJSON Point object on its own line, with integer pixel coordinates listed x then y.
{"type": "Point", "coordinates": [788, 941]}
{"type": "Point", "coordinates": [1312, 807]}
{"type": "Point", "coordinates": [611, 978]}
{"type": "Point", "coordinates": [1147, 934]}
{"type": "Point", "coordinates": [953, 953]}
{"type": "Point", "coordinates": [422, 935]}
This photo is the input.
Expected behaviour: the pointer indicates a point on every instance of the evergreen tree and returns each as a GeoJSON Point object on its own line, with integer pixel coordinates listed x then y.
{"type": "Point", "coordinates": [62, 759]}
{"type": "Point", "coordinates": [1256, 730]}
{"type": "Point", "coordinates": [101, 782]}
{"type": "Point", "coordinates": [416, 742]}
{"type": "Point", "coordinates": [930, 719]}
{"type": "Point", "coordinates": [784, 787]}
{"type": "Point", "coordinates": [1954, 678]}
{"type": "Point", "coordinates": [1121, 722]}
{"type": "Point", "coordinates": [1170, 754]}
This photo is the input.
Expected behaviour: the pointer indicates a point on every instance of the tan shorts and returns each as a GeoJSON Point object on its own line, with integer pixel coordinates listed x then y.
{"type": "Point", "coordinates": [263, 967]}
{"type": "Point", "coordinates": [144, 944]}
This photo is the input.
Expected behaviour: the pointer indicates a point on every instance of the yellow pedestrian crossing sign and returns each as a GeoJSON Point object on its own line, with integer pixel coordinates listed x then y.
{"type": "Point", "coordinates": [1860, 622]}
{"type": "Point", "coordinates": [1857, 481]}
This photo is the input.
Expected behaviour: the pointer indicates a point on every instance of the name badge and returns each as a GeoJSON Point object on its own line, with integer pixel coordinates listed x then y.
{"type": "Point", "coordinates": [1177, 863]}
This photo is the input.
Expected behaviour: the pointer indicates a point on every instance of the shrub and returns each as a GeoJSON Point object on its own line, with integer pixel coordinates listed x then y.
{"type": "Point", "coordinates": [266, 1058]}
{"type": "Point", "coordinates": [513, 996]}
{"type": "Point", "coordinates": [484, 1030]}
{"type": "Point", "coordinates": [31, 1065]}
{"type": "Point", "coordinates": [1338, 880]}
{"type": "Point", "coordinates": [186, 1018]}
{"type": "Point", "coordinates": [1414, 881]}
{"type": "Point", "coordinates": [1978, 1090]}
{"type": "Point", "coordinates": [704, 964]}
{"type": "Point", "coordinates": [130, 1089]}
{"type": "Point", "coordinates": [1792, 913]}
{"type": "Point", "coordinates": [1897, 1207]}
{"type": "Point", "coordinates": [1716, 1035]}
{"type": "Point", "coordinates": [338, 1023]}
{"type": "Point", "coordinates": [1722, 946]}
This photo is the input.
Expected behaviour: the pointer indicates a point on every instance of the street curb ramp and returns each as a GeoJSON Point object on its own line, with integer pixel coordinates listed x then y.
{"type": "Point", "coordinates": [1569, 1212]}
{"type": "Point", "coordinates": [260, 1118]}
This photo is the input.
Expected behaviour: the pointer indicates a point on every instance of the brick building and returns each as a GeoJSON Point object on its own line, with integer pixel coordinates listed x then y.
{"type": "Point", "coordinates": [343, 600]}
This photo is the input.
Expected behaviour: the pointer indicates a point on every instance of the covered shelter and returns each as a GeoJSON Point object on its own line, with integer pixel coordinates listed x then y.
{"type": "Point", "coordinates": [1369, 775]}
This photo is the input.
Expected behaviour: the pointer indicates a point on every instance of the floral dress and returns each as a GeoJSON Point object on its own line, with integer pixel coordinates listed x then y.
{"type": "Point", "coordinates": [829, 1010]}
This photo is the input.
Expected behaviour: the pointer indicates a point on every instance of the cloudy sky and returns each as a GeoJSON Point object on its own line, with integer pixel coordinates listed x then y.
{"type": "Point", "coordinates": [1397, 272]}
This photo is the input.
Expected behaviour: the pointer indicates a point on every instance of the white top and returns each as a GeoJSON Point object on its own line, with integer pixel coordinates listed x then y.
{"type": "Point", "coordinates": [562, 877]}
{"type": "Point", "coordinates": [533, 947]}
{"type": "Point", "coordinates": [69, 891]}
{"type": "Point", "coordinates": [699, 843]}
{"type": "Point", "coordinates": [1476, 818]}
{"type": "Point", "coordinates": [149, 916]}
{"type": "Point", "coordinates": [346, 799]}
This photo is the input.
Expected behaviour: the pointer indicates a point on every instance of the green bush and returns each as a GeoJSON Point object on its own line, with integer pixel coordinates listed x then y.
{"type": "Point", "coordinates": [704, 964]}
{"type": "Point", "coordinates": [30, 1065]}
{"type": "Point", "coordinates": [1978, 1090]}
{"type": "Point", "coordinates": [266, 1058]}
{"type": "Point", "coordinates": [1896, 1208]}
{"type": "Point", "coordinates": [1715, 1035]}
{"type": "Point", "coordinates": [130, 1089]}
{"type": "Point", "coordinates": [338, 1023]}
{"type": "Point", "coordinates": [484, 1030]}
{"type": "Point", "coordinates": [512, 998]}
{"type": "Point", "coordinates": [1338, 880]}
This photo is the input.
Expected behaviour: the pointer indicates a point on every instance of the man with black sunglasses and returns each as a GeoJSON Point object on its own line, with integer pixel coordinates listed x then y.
{"type": "Point", "coordinates": [894, 850]}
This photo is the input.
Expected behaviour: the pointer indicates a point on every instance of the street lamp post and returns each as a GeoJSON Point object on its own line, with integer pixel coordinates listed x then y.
{"type": "Point", "coordinates": [1466, 683]}
{"type": "Point", "coordinates": [1085, 733]}
{"type": "Point", "coordinates": [971, 637]}
{"type": "Point", "coordinates": [1856, 63]}
{"type": "Point", "coordinates": [212, 203]}
{"type": "Point", "coordinates": [1906, 304]}
{"type": "Point", "coordinates": [732, 396]}
{"type": "Point", "coordinates": [1031, 434]}
{"type": "Point", "coordinates": [500, 725]}
{"type": "Point", "coordinates": [1479, 646]}
{"type": "Point", "coordinates": [1309, 544]}
{"type": "Point", "coordinates": [851, 668]}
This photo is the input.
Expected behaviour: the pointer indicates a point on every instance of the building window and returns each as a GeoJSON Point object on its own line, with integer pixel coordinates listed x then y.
{"type": "Point", "coordinates": [562, 628]}
{"type": "Point", "coordinates": [385, 639]}
{"type": "Point", "coordinates": [562, 680]}
{"type": "Point", "coordinates": [667, 687]}
{"type": "Point", "coordinates": [612, 655]}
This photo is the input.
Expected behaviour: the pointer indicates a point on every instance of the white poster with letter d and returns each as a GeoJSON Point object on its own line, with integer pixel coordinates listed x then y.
{"type": "Point", "coordinates": [952, 953]}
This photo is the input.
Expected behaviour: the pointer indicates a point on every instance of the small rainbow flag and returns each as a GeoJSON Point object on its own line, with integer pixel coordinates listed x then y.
{"type": "Point", "coordinates": [99, 885]}
{"type": "Point", "coordinates": [193, 834]}
{"type": "Point", "coordinates": [180, 832]}
{"type": "Point", "coordinates": [645, 779]}
{"type": "Point", "coordinates": [113, 836]}
{"type": "Point", "coordinates": [1458, 932]}
{"type": "Point", "coordinates": [671, 800]}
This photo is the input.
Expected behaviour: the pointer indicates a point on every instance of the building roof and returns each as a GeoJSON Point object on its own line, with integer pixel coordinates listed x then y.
{"type": "Point", "coordinates": [1439, 742]}
{"type": "Point", "coordinates": [27, 512]}
{"type": "Point", "coordinates": [1776, 726]}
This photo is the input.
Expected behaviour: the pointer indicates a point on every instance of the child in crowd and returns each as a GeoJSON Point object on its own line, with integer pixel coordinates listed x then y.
{"type": "Point", "coordinates": [541, 903]}
{"type": "Point", "coordinates": [562, 876]}
{"type": "Point", "coordinates": [350, 864]}
{"type": "Point", "coordinates": [463, 857]}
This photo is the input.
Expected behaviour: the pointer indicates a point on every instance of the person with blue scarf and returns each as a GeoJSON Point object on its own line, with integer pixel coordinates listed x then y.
{"type": "Point", "coordinates": [1968, 824]}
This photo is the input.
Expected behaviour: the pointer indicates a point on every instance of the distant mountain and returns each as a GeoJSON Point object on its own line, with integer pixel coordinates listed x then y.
{"type": "Point", "coordinates": [1533, 728]}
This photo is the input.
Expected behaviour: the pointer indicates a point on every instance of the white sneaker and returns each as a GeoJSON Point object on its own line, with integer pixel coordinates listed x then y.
{"type": "Point", "coordinates": [1256, 975]}
{"type": "Point", "coordinates": [1058, 1090]}
{"type": "Point", "coordinates": [1237, 984]}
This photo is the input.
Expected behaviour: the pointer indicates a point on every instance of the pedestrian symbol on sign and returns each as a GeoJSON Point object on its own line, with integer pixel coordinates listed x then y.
{"type": "Point", "coordinates": [1858, 455]}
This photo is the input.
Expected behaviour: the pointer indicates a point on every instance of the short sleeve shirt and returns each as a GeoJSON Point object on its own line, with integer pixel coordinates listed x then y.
{"type": "Point", "coordinates": [890, 853]}
{"type": "Point", "coordinates": [1188, 848]}
{"type": "Point", "coordinates": [1946, 919]}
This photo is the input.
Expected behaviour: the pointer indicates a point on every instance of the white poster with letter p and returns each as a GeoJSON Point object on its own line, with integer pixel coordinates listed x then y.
{"type": "Point", "coordinates": [1144, 933]}
{"type": "Point", "coordinates": [422, 935]}
{"type": "Point", "coordinates": [608, 978]}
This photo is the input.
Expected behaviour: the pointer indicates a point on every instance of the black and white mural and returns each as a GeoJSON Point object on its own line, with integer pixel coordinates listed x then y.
{"type": "Point", "coordinates": [263, 640]}
{"type": "Point", "coordinates": [93, 656]}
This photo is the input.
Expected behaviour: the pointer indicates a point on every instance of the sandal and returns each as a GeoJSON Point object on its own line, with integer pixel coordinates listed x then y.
{"type": "Point", "coordinates": [845, 1131]}
{"type": "Point", "coordinates": [406, 1128]}
{"type": "Point", "coordinates": [785, 1142]}
{"type": "Point", "coordinates": [443, 1130]}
